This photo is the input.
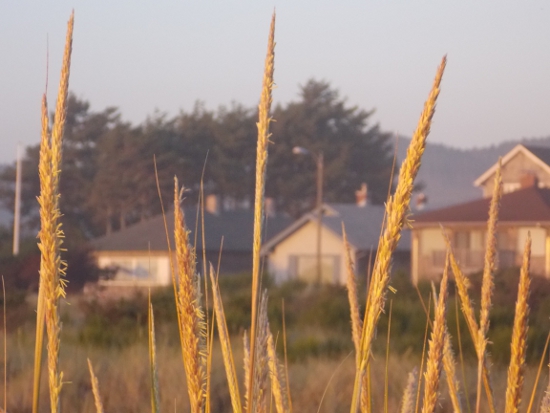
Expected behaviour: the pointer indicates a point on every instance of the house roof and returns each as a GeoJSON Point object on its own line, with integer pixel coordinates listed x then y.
{"type": "Point", "coordinates": [362, 225]}
{"type": "Point", "coordinates": [236, 227]}
{"type": "Point", "coordinates": [530, 204]}
{"type": "Point", "coordinates": [538, 154]}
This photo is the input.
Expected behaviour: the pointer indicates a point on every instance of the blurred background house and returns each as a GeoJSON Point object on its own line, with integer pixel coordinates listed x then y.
{"type": "Point", "coordinates": [525, 209]}
{"type": "Point", "coordinates": [138, 255]}
{"type": "Point", "coordinates": [292, 254]}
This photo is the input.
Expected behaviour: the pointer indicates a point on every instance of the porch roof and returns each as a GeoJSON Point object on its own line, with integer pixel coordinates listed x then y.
{"type": "Point", "coordinates": [525, 205]}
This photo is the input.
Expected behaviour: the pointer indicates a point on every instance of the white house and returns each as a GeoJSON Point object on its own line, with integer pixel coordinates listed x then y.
{"type": "Point", "coordinates": [138, 255]}
{"type": "Point", "coordinates": [292, 254]}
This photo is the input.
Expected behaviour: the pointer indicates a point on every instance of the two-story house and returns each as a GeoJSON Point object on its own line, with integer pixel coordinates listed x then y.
{"type": "Point", "coordinates": [525, 208]}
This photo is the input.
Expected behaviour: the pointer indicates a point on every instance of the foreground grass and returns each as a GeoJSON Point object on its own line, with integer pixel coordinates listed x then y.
{"type": "Point", "coordinates": [125, 379]}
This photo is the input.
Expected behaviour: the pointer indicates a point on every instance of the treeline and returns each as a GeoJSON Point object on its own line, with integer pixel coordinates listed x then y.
{"type": "Point", "coordinates": [108, 178]}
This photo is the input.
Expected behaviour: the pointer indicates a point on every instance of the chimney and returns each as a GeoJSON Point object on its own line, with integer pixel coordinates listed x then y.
{"type": "Point", "coordinates": [212, 204]}
{"type": "Point", "coordinates": [528, 180]}
{"type": "Point", "coordinates": [269, 207]}
{"type": "Point", "coordinates": [421, 201]}
{"type": "Point", "coordinates": [361, 196]}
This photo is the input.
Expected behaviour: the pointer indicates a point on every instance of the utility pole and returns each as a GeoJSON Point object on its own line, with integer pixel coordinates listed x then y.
{"type": "Point", "coordinates": [320, 167]}
{"type": "Point", "coordinates": [319, 161]}
{"type": "Point", "coordinates": [17, 207]}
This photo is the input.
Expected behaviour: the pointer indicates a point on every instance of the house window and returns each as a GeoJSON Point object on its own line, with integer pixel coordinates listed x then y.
{"type": "Point", "coordinates": [134, 268]}
{"type": "Point", "coordinates": [462, 240]}
{"type": "Point", "coordinates": [304, 267]}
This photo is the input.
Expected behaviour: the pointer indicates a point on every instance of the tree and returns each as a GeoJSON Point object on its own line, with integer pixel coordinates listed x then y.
{"type": "Point", "coordinates": [354, 152]}
{"type": "Point", "coordinates": [82, 132]}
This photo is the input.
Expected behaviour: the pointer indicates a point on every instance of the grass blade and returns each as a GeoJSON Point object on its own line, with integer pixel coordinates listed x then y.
{"type": "Point", "coordinates": [435, 353]}
{"type": "Point", "coordinates": [519, 336]}
{"type": "Point", "coordinates": [264, 119]}
{"type": "Point", "coordinates": [397, 212]}
{"type": "Point", "coordinates": [52, 284]}
{"type": "Point", "coordinates": [191, 318]}
{"type": "Point", "coordinates": [95, 389]}
{"type": "Point", "coordinates": [407, 404]}
{"type": "Point", "coordinates": [225, 343]}
{"type": "Point", "coordinates": [155, 398]}
{"type": "Point", "coordinates": [277, 377]}
{"type": "Point", "coordinates": [487, 284]}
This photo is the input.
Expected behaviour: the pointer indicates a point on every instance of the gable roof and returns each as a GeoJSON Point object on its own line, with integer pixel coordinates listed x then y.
{"type": "Point", "coordinates": [538, 154]}
{"type": "Point", "coordinates": [530, 204]}
{"type": "Point", "coordinates": [236, 227]}
{"type": "Point", "coordinates": [362, 225]}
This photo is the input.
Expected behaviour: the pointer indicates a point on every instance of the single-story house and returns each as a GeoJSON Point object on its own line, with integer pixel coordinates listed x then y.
{"type": "Point", "coordinates": [524, 209]}
{"type": "Point", "coordinates": [138, 255]}
{"type": "Point", "coordinates": [292, 253]}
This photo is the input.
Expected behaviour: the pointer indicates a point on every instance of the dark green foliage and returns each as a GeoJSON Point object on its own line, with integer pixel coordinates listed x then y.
{"type": "Point", "coordinates": [108, 178]}
{"type": "Point", "coordinates": [318, 320]}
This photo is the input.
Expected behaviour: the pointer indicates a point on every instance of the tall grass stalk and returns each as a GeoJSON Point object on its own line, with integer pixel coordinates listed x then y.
{"type": "Point", "coordinates": [423, 356]}
{"type": "Point", "coordinates": [449, 363]}
{"type": "Point", "coordinates": [95, 389]}
{"type": "Point", "coordinates": [539, 370]}
{"type": "Point", "coordinates": [407, 403]}
{"type": "Point", "coordinates": [397, 210]}
{"type": "Point", "coordinates": [190, 316]}
{"type": "Point", "coordinates": [264, 119]}
{"type": "Point", "coordinates": [155, 397]}
{"type": "Point", "coordinates": [351, 286]}
{"type": "Point", "coordinates": [52, 284]}
{"type": "Point", "coordinates": [519, 336]}
{"type": "Point", "coordinates": [462, 285]}
{"type": "Point", "coordinates": [225, 343]}
{"type": "Point", "coordinates": [487, 284]}
{"type": "Point", "coordinates": [434, 363]}
{"type": "Point", "coordinates": [277, 377]}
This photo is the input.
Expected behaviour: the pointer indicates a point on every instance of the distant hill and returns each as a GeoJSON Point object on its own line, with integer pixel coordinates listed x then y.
{"type": "Point", "coordinates": [448, 173]}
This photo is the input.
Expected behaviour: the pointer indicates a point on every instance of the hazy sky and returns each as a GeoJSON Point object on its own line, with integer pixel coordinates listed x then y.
{"type": "Point", "coordinates": [145, 55]}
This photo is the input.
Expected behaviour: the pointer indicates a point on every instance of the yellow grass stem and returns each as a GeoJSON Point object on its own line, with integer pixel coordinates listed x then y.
{"type": "Point", "coordinates": [52, 285]}
{"type": "Point", "coordinates": [95, 389]}
{"type": "Point", "coordinates": [407, 403]}
{"type": "Point", "coordinates": [467, 307]}
{"type": "Point", "coordinates": [542, 358]}
{"type": "Point", "coordinates": [449, 363]}
{"type": "Point", "coordinates": [191, 317]}
{"type": "Point", "coordinates": [277, 377]}
{"type": "Point", "coordinates": [261, 369]}
{"type": "Point", "coordinates": [41, 305]}
{"type": "Point", "coordinates": [519, 336]}
{"type": "Point", "coordinates": [330, 380]}
{"type": "Point", "coordinates": [286, 358]}
{"type": "Point", "coordinates": [155, 398]}
{"type": "Point", "coordinates": [459, 339]}
{"type": "Point", "coordinates": [435, 353]}
{"type": "Point", "coordinates": [246, 367]}
{"type": "Point", "coordinates": [225, 343]}
{"type": "Point", "coordinates": [397, 210]}
{"type": "Point", "coordinates": [423, 357]}
{"type": "Point", "coordinates": [545, 403]}
{"type": "Point", "coordinates": [487, 284]}
{"type": "Point", "coordinates": [351, 285]}
{"type": "Point", "coordinates": [264, 119]}
{"type": "Point", "coordinates": [387, 372]}
{"type": "Point", "coordinates": [356, 323]}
